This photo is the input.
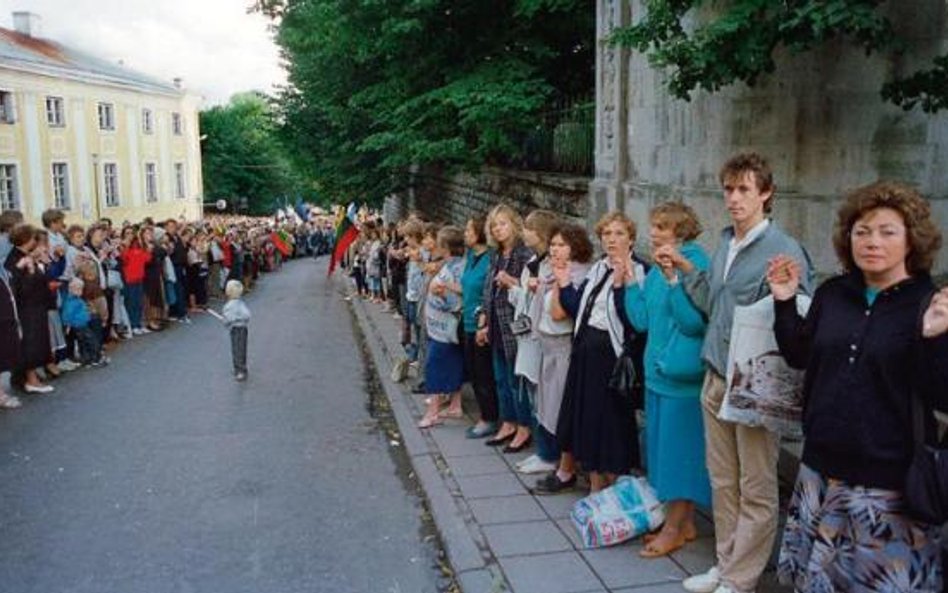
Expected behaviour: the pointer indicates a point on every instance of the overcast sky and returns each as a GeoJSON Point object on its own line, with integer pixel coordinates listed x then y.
{"type": "Point", "coordinates": [214, 45]}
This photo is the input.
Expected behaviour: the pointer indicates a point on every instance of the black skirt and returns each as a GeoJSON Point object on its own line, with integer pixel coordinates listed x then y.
{"type": "Point", "coordinates": [35, 349]}
{"type": "Point", "coordinates": [596, 424]}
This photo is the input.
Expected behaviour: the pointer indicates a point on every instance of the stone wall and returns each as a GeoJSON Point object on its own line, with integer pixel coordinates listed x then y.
{"type": "Point", "coordinates": [819, 119]}
{"type": "Point", "coordinates": [455, 197]}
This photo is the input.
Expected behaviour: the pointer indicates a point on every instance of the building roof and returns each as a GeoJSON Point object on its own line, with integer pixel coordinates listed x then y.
{"type": "Point", "coordinates": [46, 57]}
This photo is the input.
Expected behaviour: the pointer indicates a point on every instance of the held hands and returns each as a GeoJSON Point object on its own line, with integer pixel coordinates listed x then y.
{"type": "Point", "coordinates": [532, 284]}
{"type": "Point", "coordinates": [783, 276]}
{"type": "Point", "coordinates": [505, 280]}
{"type": "Point", "coordinates": [669, 258]}
{"type": "Point", "coordinates": [935, 321]}
{"type": "Point", "coordinates": [561, 273]}
{"type": "Point", "coordinates": [481, 337]}
{"type": "Point", "coordinates": [622, 272]}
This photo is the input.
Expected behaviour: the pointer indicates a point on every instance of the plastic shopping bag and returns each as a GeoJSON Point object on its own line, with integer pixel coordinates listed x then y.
{"type": "Point", "coordinates": [625, 510]}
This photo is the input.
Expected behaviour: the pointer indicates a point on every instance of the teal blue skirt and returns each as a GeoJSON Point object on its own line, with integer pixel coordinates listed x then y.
{"type": "Point", "coordinates": [674, 449]}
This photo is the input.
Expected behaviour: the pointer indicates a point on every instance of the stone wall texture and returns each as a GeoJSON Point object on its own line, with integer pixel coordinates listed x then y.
{"type": "Point", "coordinates": [819, 119]}
{"type": "Point", "coordinates": [453, 198]}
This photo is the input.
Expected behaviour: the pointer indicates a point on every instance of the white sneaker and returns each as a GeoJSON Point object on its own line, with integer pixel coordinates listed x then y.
{"type": "Point", "coordinates": [144, 330]}
{"type": "Point", "coordinates": [68, 365]}
{"type": "Point", "coordinates": [136, 331]}
{"type": "Point", "coordinates": [523, 462]}
{"type": "Point", "coordinates": [38, 388]}
{"type": "Point", "coordinates": [723, 589]}
{"type": "Point", "coordinates": [536, 466]}
{"type": "Point", "coordinates": [9, 402]}
{"type": "Point", "coordinates": [708, 582]}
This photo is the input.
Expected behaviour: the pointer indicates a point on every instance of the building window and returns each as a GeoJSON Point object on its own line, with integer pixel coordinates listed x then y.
{"type": "Point", "coordinates": [106, 116]}
{"type": "Point", "coordinates": [7, 108]}
{"type": "Point", "coordinates": [9, 193]}
{"type": "Point", "coordinates": [61, 185]}
{"type": "Point", "coordinates": [148, 122]}
{"type": "Point", "coordinates": [180, 183]}
{"type": "Point", "coordinates": [151, 182]}
{"type": "Point", "coordinates": [110, 184]}
{"type": "Point", "coordinates": [55, 115]}
{"type": "Point", "coordinates": [176, 127]}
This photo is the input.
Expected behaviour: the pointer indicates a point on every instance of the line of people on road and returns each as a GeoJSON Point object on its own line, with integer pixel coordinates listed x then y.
{"type": "Point", "coordinates": [546, 333]}
{"type": "Point", "coordinates": [69, 293]}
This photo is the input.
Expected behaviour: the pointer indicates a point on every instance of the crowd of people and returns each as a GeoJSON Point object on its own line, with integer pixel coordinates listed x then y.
{"type": "Point", "coordinates": [562, 347]}
{"type": "Point", "coordinates": [69, 293]}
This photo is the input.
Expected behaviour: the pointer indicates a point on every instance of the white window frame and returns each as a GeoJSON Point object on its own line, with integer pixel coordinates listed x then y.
{"type": "Point", "coordinates": [151, 182]}
{"type": "Point", "coordinates": [8, 202]}
{"type": "Point", "coordinates": [7, 106]}
{"type": "Point", "coordinates": [177, 123]}
{"type": "Point", "coordinates": [180, 181]}
{"type": "Point", "coordinates": [106, 112]}
{"type": "Point", "coordinates": [55, 111]}
{"type": "Point", "coordinates": [61, 199]}
{"type": "Point", "coordinates": [148, 121]}
{"type": "Point", "coordinates": [111, 197]}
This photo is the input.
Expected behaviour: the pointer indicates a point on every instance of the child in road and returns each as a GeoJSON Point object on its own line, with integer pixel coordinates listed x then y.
{"type": "Point", "coordinates": [236, 317]}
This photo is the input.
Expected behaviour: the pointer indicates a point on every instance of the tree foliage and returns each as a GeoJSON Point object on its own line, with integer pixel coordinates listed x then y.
{"type": "Point", "coordinates": [377, 86]}
{"type": "Point", "coordinates": [706, 45]}
{"type": "Point", "coordinates": [243, 156]}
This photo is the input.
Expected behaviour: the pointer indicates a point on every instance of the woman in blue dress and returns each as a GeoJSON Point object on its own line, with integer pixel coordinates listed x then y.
{"type": "Point", "coordinates": [674, 432]}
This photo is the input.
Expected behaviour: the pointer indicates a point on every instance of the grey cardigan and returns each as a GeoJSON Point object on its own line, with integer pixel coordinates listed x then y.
{"type": "Point", "coordinates": [746, 284]}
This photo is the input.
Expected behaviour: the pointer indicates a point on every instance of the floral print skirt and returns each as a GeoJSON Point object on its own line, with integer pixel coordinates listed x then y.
{"type": "Point", "coordinates": [842, 538]}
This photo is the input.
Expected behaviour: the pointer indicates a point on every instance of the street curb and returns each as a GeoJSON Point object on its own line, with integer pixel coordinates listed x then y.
{"type": "Point", "coordinates": [475, 568]}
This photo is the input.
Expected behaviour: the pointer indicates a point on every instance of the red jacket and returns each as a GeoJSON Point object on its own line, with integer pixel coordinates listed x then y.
{"type": "Point", "coordinates": [228, 253]}
{"type": "Point", "coordinates": [134, 260]}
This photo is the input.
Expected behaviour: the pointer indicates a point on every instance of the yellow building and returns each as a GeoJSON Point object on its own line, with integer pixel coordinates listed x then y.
{"type": "Point", "coordinates": [90, 137]}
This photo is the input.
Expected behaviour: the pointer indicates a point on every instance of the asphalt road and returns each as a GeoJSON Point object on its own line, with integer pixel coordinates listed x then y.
{"type": "Point", "coordinates": [161, 474]}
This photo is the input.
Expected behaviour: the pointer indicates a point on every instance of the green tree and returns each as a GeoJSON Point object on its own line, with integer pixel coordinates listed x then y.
{"type": "Point", "coordinates": [377, 86]}
{"type": "Point", "coordinates": [708, 45]}
{"type": "Point", "coordinates": [243, 155]}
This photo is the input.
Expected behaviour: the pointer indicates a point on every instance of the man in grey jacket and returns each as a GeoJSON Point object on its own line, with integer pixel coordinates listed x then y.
{"type": "Point", "coordinates": [742, 460]}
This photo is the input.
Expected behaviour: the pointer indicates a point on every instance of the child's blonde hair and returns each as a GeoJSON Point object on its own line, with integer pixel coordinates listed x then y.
{"type": "Point", "coordinates": [76, 285]}
{"type": "Point", "coordinates": [234, 289]}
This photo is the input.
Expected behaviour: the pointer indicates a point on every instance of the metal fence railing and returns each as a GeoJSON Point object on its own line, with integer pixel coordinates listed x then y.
{"type": "Point", "coordinates": [562, 140]}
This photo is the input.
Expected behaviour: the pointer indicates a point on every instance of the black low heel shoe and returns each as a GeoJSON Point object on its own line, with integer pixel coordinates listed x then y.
{"type": "Point", "coordinates": [495, 442]}
{"type": "Point", "coordinates": [520, 447]}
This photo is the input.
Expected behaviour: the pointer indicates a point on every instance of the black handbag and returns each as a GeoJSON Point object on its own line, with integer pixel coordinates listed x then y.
{"type": "Point", "coordinates": [624, 375]}
{"type": "Point", "coordinates": [926, 483]}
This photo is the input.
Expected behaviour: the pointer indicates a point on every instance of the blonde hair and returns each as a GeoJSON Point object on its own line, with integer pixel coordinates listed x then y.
{"type": "Point", "coordinates": [616, 216]}
{"type": "Point", "coordinates": [542, 222]}
{"type": "Point", "coordinates": [234, 289]}
{"type": "Point", "coordinates": [679, 217]}
{"type": "Point", "coordinates": [510, 214]}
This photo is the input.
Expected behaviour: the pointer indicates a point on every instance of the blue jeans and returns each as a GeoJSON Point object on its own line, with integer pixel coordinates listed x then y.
{"type": "Point", "coordinates": [414, 329]}
{"type": "Point", "coordinates": [547, 448]}
{"type": "Point", "coordinates": [133, 304]}
{"type": "Point", "coordinates": [180, 308]}
{"type": "Point", "coordinates": [513, 401]}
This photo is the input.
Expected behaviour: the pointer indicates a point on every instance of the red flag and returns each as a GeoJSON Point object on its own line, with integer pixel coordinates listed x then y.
{"type": "Point", "coordinates": [346, 233]}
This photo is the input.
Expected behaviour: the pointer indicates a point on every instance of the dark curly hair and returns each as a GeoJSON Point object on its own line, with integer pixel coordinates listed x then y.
{"type": "Point", "coordinates": [580, 247]}
{"type": "Point", "coordinates": [922, 234]}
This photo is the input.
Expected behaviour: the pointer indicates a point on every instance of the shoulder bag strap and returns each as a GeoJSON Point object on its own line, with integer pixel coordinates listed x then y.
{"type": "Point", "coordinates": [591, 301]}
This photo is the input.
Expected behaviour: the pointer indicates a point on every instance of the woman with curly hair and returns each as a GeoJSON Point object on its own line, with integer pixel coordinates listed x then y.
{"type": "Point", "coordinates": [875, 338]}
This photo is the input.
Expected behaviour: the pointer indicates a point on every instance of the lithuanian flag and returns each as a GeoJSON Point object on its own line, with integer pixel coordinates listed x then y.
{"type": "Point", "coordinates": [346, 233]}
{"type": "Point", "coordinates": [281, 241]}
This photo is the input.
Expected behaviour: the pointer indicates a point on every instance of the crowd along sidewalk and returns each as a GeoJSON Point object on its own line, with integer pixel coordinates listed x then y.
{"type": "Point", "coordinates": [497, 535]}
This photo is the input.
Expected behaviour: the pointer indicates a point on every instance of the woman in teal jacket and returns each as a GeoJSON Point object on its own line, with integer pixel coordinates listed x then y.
{"type": "Point", "coordinates": [674, 431]}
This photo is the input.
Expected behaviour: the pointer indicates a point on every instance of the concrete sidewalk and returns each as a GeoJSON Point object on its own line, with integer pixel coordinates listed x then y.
{"type": "Point", "coordinates": [497, 535]}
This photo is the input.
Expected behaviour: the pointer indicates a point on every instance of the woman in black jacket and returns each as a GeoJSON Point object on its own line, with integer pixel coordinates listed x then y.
{"type": "Point", "coordinates": [874, 338]}
{"type": "Point", "coordinates": [31, 295]}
